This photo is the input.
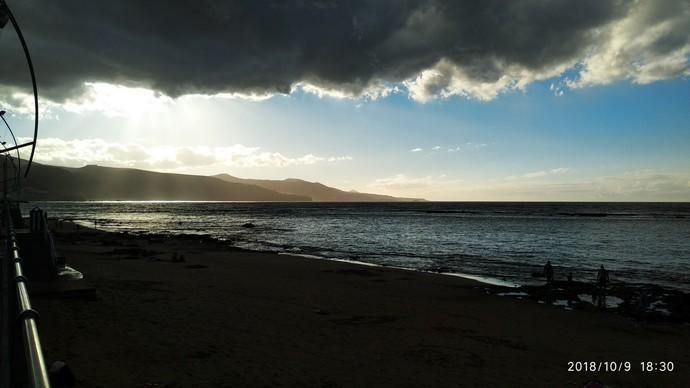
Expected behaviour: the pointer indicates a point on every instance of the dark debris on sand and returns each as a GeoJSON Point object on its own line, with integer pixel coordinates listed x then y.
{"type": "Point", "coordinates": [645, 302]}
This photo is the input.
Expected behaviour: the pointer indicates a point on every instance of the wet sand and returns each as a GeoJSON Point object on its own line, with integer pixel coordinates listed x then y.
{"type": "Point", "coordinates": [230, 318]}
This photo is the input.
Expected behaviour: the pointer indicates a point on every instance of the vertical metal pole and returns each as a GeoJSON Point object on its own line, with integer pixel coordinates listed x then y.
{"type": "Point", "coordinates": [4, 179]}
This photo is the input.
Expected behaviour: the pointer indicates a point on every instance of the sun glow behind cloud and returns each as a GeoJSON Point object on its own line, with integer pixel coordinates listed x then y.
{"type": "Point", "coordinates": [117, 100]}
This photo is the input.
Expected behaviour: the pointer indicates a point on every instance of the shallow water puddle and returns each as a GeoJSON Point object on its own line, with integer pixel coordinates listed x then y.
{"type": "Point", "coordinates": [611, 302]}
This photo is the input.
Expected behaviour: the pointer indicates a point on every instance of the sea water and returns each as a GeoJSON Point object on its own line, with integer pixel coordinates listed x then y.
{"type": "Point", "coordinates": [637, 242]}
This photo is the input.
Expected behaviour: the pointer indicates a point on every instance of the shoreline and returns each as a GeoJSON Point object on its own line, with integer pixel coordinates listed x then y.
{"type": "Point", "coordinates": [487, 280]}
{"type": "Point", "coordinates": [572, 297]}
{"type": "Point", "coordinates": [484, 279]}
{"type": "Point", "coordinates": [491, 260]}
{"type": "Point", "coordinates": [226, 317]}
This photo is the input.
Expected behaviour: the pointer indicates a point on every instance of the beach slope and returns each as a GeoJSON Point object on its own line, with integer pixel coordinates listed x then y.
{"type": "Point", "coordinates": [222, 317]}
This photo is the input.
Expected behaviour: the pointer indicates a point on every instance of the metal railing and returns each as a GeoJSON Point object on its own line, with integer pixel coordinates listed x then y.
{"type": "Point", "coordinates": [27, 316]}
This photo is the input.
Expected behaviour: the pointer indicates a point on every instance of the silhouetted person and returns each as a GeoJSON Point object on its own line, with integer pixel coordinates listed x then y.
{"type": "Point", "coordinates": [548, 272]}
{"type": "Point", "coordinates": [602, 278]}
{"type": "Point", "coordinates": [570, 277]}
{"type": "Point", "coordinates": [602, 281]}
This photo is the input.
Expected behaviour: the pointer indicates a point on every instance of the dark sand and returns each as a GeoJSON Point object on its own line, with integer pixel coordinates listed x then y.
{"type": "Point", "coordinates": [230, 318]}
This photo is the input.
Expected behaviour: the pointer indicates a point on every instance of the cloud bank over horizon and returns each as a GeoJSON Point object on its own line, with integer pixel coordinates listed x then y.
{"type": "Point", "coordinates": [427, 49]}
{"type": "Point", "coordinates": [634, 185]}
{"type": "Point", "coordinates": [81, 152]}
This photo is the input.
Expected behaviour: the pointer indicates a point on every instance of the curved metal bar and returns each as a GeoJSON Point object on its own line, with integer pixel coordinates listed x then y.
{"type": "Point", "coordinates": [14, 139]}
{"type": "Point", "coordinates": [33, 82]}
{"type": "Point", "coordinates": [17, 166]}
{"type": "Point", "coordinates": [8, 149]}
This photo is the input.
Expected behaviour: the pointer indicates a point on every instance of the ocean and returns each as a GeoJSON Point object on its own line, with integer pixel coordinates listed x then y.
{"type": "Point", "coordinates": [505, 242]}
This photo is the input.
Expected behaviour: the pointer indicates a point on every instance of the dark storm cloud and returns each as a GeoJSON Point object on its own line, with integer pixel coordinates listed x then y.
{"type": "Point", "coordinates": [212, 46]}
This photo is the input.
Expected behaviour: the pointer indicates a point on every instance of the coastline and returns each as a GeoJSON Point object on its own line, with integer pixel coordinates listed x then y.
{"type": "Point", "coordinates": [663, 303]}
{"type": "Point", "coordinates": [474, 277]}
{"type": "Point", "coordinates": [230, 317]}
{"type": "Point", "coordinates": [633, 257]}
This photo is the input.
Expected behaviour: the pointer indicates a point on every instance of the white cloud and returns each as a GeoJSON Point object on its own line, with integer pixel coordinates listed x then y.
{"type": "Point", "coordinates": [557, 89]}
{"type": "Point", "coordinates": [339, 158]}
{"type": "Point", "coordinates": [446, 79]}
{"type": "Point", "coordinates": [538, 174]}
{"type": "Point", "coordinates": [645, 185]}
{"type": "Point", "coordinates": [649, 44]}
{"type": "Point", "coordinates": [373, 91]}
{"type": "Point", "coordinates": [404, 182]}
{"type": "Point", "coordinates": [476, 145]}
{"type": "Point", "coordinates": [108, 99]}
{"type": "Point", "coordinates": [235, 96]}
{"type": "Point", "coordinates": [80, 152]}
{"type": "Point", "coordinates": [652, 43]}
{"type": "Point", "coordinates": [18, 102]}
{"type": "Point", "coordinates": [467, 146]}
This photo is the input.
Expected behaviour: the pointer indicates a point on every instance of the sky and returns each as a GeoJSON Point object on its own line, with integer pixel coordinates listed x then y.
{"type": "Point", "coordinates": [444, 100]}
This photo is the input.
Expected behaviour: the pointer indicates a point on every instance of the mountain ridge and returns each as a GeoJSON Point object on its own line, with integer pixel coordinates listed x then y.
{"type": "Point", "coordinates": [93, 182]}
{"type": "Point", "coordinates": [316, 190]}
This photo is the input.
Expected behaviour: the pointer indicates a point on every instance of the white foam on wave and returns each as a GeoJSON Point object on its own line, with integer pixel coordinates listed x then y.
{"type": "Point", "coordinates": [307, 256]}
{"type": "Point", "coordinates": [481, 279]}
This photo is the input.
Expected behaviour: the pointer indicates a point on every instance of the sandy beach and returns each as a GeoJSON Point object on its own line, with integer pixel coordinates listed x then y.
{"type": "Point", "coordinates": [223, 317]}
